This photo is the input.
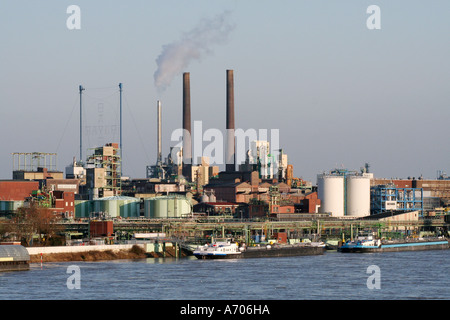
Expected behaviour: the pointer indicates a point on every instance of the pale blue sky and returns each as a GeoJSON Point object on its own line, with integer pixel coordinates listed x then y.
{"type": "Point", "coordinates": [341, 94]}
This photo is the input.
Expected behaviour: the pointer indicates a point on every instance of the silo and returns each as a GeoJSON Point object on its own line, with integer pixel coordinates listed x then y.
{"type": "Point", "coordinates": [358, 195]}
{"type": "Point", "coordinates": [331, 192]}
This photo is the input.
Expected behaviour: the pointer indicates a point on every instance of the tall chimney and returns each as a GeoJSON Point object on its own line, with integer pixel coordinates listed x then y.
{"type": "Point", "coordinates": [159, 134]}
{"type": "Point", "coordinates": [187, 141]}
{"type": "Point", "coordinates": [230, 155]}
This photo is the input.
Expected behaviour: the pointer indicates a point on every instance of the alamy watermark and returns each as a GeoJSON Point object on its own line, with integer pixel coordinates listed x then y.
{"type": "Point", "coordinates": [248, 145]}
{"type": "Point", "coordinates": [374, 20]}
{"type": "Point", "coordinates": [374, 280]}
{"type": "Point", "coordinates": [74, 280]}
{"type": "Point", "coordinates": [73, 22]}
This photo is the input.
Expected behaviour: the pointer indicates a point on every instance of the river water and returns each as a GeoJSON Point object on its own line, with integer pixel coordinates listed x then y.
{"type": "Point", "coordinates": [334, 275]}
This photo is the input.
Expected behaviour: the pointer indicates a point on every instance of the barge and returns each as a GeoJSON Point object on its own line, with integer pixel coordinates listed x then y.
{"type": "Point", "coordinates": [14, 258]}
{"type": "Point", "coordinates": [369, 244]}
{"type": "Point", "coordinates": [231, 250]}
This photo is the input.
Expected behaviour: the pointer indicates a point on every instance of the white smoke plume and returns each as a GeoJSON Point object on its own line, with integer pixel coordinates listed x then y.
{"type": "Point", "coordinates": [193, 45]}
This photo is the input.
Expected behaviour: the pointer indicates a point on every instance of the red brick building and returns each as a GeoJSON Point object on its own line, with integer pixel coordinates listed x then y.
{"type": "Point", "coordinates": [16, 190]}
{"type": "Point", "coordinates": [63, 203]}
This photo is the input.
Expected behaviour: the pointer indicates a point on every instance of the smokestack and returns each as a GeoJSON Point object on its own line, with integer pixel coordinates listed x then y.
{"type": "Point", "coordinates": [159, 135]}
{"type": "Point", "coordinates": [187, 146]}
{"type": "Point", "coordinates": [230, 155]}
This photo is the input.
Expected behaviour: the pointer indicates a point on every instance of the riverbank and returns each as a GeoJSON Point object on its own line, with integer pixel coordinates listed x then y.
{"type": "Point", "coordinates": [135, 252]}
{"type": "Point", "coordinates": [88, 254]}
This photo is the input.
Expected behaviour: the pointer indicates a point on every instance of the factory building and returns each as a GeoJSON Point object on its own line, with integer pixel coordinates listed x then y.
{"type": "Point", "coordinates": [423, 195]}
{"type": "Point", "coordinates": [219, 208]}
{"type": "Point", "coordinates": [76, 171]}
{"type": "Point", "coordinates": [63, 203]}
{"type": "Point", "coordinates": [35, 166]}
{"type": "Point", "coordinates": [46, 188]}
{"type": "Point", "coordinates": [15, 190]}
{"type": "Point", "coordinates": [435, 192]}
{"type": "Point", "coordinates": [64, 185]}
{"type": "Point", "coordinates": [392, 198]}
{"type": "Point", "coordinates": [103, 172]}
{"type": "Point", "coordinates": [357, 194]}
{"type": "Point", "coordinates": [260, 159]}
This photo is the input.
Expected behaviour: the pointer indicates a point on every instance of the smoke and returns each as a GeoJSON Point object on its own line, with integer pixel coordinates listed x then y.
{"type": "Point", "coordinates": [193, 45]}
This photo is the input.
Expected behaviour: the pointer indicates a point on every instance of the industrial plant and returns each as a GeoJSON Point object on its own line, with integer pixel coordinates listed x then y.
{"type": "Point", "coordinates": [183, 198]}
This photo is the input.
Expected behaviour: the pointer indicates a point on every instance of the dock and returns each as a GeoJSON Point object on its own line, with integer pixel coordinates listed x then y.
{"type": "Point", "coordinates": [188, 229]}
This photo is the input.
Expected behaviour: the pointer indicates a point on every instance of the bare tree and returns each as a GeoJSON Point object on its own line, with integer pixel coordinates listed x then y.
{"type": "Point", "coordinates": [34, 220]}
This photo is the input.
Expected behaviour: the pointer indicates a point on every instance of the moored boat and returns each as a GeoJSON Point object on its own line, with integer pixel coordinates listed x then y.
{"type": "Point", "coordinates": [370, 244]}
{"type": "Point", "coordinates": [231, 250]}
{"type": "Point", "coordinates": [14, 258]}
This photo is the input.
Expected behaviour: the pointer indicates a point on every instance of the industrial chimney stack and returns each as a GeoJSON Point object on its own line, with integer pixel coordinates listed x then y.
{"type": "Point", "coordinates": [230, 153]}
{"type": "Point", "coordinates": [187, 141]}
{"type": "Point", "coordinates": [159, 134]}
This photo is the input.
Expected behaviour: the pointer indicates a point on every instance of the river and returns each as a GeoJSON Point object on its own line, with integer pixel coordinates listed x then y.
{"type": "Point", "coordinates": [334, 275]}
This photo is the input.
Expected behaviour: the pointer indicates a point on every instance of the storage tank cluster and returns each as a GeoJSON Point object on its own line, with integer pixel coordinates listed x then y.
{"type": "Point", "coordinates": [116, 206]}
{"type": "Point", "coordinates": [172, 206]}
{"type": "Point", "coordinates": [344, 194]}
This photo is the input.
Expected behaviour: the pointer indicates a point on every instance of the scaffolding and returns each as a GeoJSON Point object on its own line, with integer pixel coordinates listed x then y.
{"type": "Point", "coordinates": [31, 161]}
{"type": "Point", "coordinates": [107, 158]}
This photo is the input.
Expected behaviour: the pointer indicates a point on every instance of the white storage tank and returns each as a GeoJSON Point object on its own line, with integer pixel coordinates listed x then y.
{"type": "Point", "coordinates": [331, 192]}
{"type": "Point", "coordinates": [358, 195]}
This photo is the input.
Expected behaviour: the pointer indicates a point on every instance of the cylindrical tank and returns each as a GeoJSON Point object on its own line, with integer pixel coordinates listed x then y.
{"type": "Point", "coordinates": [82, 208]}
{"type": "Point", "coordinates": [110, 207]}
{"type": "Point", "coordinates": [10, 206]}
{"type": "Point", "coordinates": [166, 207]}
{"type": "Point", "coordinates": [358, 196]}
{"type": "Point", "coordinates": [331, 192]}
{"type": "Point", "coordinates": [117, 206]}
{"type": "Point", "coordinates": [161, 210]}
{"type": "Point", "coordinates": [170, 207]}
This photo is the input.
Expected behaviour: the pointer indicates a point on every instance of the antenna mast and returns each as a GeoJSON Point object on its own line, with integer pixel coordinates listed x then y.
{"type": "Point", "coordinates": [81, 122]}
{"type": "Point", "coordinates": [121, 159]}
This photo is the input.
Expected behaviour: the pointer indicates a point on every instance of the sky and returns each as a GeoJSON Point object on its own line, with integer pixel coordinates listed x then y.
{"type": "Point", "coordinates": [340, 94]}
